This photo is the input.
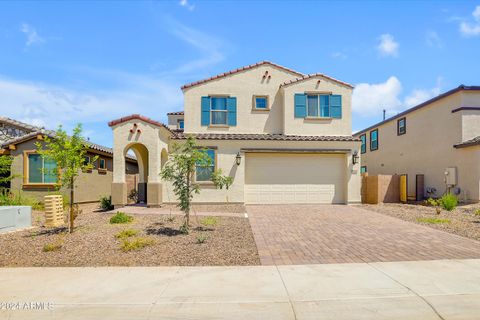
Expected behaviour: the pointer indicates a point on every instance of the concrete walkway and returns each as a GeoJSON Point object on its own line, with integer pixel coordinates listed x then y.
{"type": "Point", "coordinates": [442, 289]}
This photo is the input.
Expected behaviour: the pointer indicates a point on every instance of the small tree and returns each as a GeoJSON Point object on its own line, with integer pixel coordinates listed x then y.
{"type": "Point", "coordinates": [220, 181]}
{"type": "Point", "coordinates": [180, 170]}
{"type": "Point", "coordinates": [5, 168]}
{"type": "Point", "coordinates": [69, 153]}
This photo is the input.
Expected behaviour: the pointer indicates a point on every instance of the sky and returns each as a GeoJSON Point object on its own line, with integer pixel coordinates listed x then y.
{"type": "Point", "coordinates": [91, 62]}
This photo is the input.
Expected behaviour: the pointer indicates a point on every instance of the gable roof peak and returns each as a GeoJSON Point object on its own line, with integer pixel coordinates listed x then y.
{"type": "Point", "coordinates": [248, 67]}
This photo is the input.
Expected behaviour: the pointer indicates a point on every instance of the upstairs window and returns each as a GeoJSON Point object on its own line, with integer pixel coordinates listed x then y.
{"type": "Point", "coordinates": [374, 140]}
{"type": "Point", "coordinates": [401, 126]}
{"type": "Point", "coordinates": [219, 111]}
{"type": "Point", "coordinates": [260, 102]}
{"type": "Point", "coordinates": [363, 149]}
{"type": "Point", "coordinates": [318, 106]}
{"type": "Point", "coordinates": [41, 170]}
{"type": "Point", "coordinates": [204, 171]}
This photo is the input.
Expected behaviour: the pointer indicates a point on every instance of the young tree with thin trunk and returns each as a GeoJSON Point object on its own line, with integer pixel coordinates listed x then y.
{"type": "Point", "coordinates": [68, 152]}
{"type": "Point", "coordinates": [180, 170]}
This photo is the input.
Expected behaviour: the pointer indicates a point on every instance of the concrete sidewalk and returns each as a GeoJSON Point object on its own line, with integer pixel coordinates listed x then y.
{"type": "Point", "coordinates": [441, 289]}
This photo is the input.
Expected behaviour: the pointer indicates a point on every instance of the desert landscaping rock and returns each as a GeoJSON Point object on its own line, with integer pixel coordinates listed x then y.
{"type": "Point", "coordinates": [229, 242]}
{"type": "Point", "coordinates": [463, 221]}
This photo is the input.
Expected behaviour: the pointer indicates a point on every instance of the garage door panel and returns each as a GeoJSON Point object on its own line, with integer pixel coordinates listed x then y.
{"type": "Point", "coordinates": [294, 178]}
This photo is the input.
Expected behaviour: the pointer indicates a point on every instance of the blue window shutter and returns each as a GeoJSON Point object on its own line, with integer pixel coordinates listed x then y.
{"type": "Point", "coordinates": [205, 111]}
{"type": "Point", "coordinates": [232, 111]}
{"type": "Point", "coordinates": [300, 105]}
{"type": "Point", "coordinates": [336, 106]}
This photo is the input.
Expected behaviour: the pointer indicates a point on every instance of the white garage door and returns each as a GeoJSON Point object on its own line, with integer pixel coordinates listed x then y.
{"type": "Point", "coordinates": [294, 178]}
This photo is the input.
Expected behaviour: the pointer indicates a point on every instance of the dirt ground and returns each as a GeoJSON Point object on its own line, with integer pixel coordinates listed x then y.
{"type": "Point", "coordinates": [229, 241]}
{"type": "Point", "coordinates": [461, 221]}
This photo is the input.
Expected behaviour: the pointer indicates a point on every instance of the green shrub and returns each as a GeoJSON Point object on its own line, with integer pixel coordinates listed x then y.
{"type": "Point", "coordinates": [477, 212]}
{"type": "Point", "coordinates": [449, 201]}
{"type": "Point", "coordinates": [17, 198]}
{"type": "Point", "coordinates": [121, 217]}
{"type": "Point", "coordinates": [201, 238]}
{"type": "Point", "coordinates": [106, 203]}
{"type": "Point", "coordinates": [135, 244]}
{"type": "Point", "coordinates": [433, 220]}
{"type": "Point", "coordinates": [126, 234]}
{"type": "Point", "coordinates": [209, 221]}
{"type": "Point", "coordinates": [52, 247]}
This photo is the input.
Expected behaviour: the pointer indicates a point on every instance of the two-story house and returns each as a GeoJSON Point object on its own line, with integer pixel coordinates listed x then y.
{"type": "Point", "coordinates": [284, 137]}
{"type": "Point", "coordinates": [436, 144]}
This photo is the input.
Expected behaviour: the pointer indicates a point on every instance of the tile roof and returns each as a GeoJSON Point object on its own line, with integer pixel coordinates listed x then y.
{"type": "Point", "coordinates": [270, 137]}
{"type": "Point", "coordinates": [50, 133]}
{"type": "Point", "coordinates": [421, 105]}
{"type": "Point", "coordinates": [221, 75]}
{"type": "Point", "coordinates": [138, 117]}
{"type": "Point", "coordinates": [175, 113]}
{"type": "Point", "coordinates": [19, 124]}
{"type": "Point", "coordinates": [472, 142]}
{"type": "Point", "coordinates": [314, 75]}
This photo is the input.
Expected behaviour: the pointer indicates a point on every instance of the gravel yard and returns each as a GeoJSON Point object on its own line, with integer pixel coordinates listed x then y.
{"type": "Point", "coordinates": [212, 241]}
{"type": "Point", "coordinates": [462, 221]}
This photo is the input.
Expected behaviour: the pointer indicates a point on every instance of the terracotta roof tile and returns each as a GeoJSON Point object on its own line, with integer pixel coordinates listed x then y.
{"type": "Point", "coordinates": [270, 137]}
{"type": "Point", "coordinates": [175, 113]}
{"type": "Point", "coordinates": [314, 75]}
{"type": "Point", "coordinates": [138, 117]}
{"type": "Point", "coordinates": [221, 75]}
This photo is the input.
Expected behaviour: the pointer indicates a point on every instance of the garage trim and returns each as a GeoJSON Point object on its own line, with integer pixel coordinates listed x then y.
{"type": "Point", "coordinates": [277, 150]}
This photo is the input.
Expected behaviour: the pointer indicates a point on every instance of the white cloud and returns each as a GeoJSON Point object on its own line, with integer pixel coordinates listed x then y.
{"type": "Point", "coordinates": [49, 105]}
{"type": "Point", "coordinates": [371, 99]}
{"type": "Point", "coordinates": [339, 55]}
{"type": "Point", "coordinates": [32, 36]}
{"type": "Point", "coordinates": [388, 46]}
{"type": "Point", "coordinates": [186, 4]}
{"type": "Point", "coordinates": [471, 29]}
{"type": "Point", "coordinates": [432, 39]}
{"type": "Point", "coordinates": [209, 46]}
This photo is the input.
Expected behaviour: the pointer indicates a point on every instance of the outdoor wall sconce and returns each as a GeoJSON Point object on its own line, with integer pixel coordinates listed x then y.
{"type": "Point", "coordinates": [238, 159]}
{"type": "Point", "coordinates": [355, 157]}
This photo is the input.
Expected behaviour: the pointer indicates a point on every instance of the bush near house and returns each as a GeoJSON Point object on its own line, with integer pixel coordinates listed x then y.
{"type": "Point", "coordinates": [121, 217]}
{"type": "Point", "coordinates": [8, 198]}
{"type": "Point", "coordinates": [449, 201]}
{"type": "Point", "coordinates": [106, 203]}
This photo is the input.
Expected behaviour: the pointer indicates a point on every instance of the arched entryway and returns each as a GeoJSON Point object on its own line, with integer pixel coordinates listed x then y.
{"type": "Point", "coordinates": [141, 180]}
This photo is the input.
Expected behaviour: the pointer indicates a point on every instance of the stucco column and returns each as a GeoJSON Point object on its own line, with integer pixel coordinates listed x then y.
{"type": "Point", "coordinates": [354, 178]}
{"type": "Point", "coordinates": [154, 185]}
{"type": "Point", "coordinates": [119, 185]}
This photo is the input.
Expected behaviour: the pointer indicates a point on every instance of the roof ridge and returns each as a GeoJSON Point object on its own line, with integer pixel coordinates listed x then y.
{"type": "Point", "coordinates": [20, 124]}
{"type": "Point", "coordinates": [247, 67]}
{"type": "Point", "coordinates": [312, 75]}
{"type": "Point", "coordinates": [139, 117]}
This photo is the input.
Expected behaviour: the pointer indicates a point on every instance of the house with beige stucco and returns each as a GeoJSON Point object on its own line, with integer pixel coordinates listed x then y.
{"type": "Point", "coordinates": [29, 169]}
{"type": "Point", "coordinates": [284, 137]}
{"type": "Point", "coordinates": [436, 144]}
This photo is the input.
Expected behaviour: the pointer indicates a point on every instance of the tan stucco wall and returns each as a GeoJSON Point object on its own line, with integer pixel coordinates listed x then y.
{"type": "Point", "coordinates": [242, 85]}
{"type": "Point", "coordinates": [89, 187]}
{"type": "Point", "coordinates": [320, 126]}
{"type": "Point", "coordinates": [427, 148]}
{"type": "Point", "coordinates": [227, 151]}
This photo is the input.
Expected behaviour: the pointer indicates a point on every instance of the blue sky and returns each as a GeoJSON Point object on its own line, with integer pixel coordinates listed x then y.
{"type": "Point", "coordinates": [91, 62]}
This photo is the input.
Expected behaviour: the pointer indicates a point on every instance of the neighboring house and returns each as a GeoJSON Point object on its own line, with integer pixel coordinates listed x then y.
{"type": "Point", "coordinates": [285, 137]}
{"type": "Point", "coordinates": [18, 140]}
{"type": "Point", "coordinates": [438, 136]}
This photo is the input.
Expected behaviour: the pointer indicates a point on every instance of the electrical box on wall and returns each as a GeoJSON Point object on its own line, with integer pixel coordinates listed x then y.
{"type": "Point", "coordinates": [451, 176]}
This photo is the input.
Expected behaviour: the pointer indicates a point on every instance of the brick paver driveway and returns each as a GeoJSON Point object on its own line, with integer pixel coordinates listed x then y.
{"type": "Point", "coordinates": [304, 234]}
